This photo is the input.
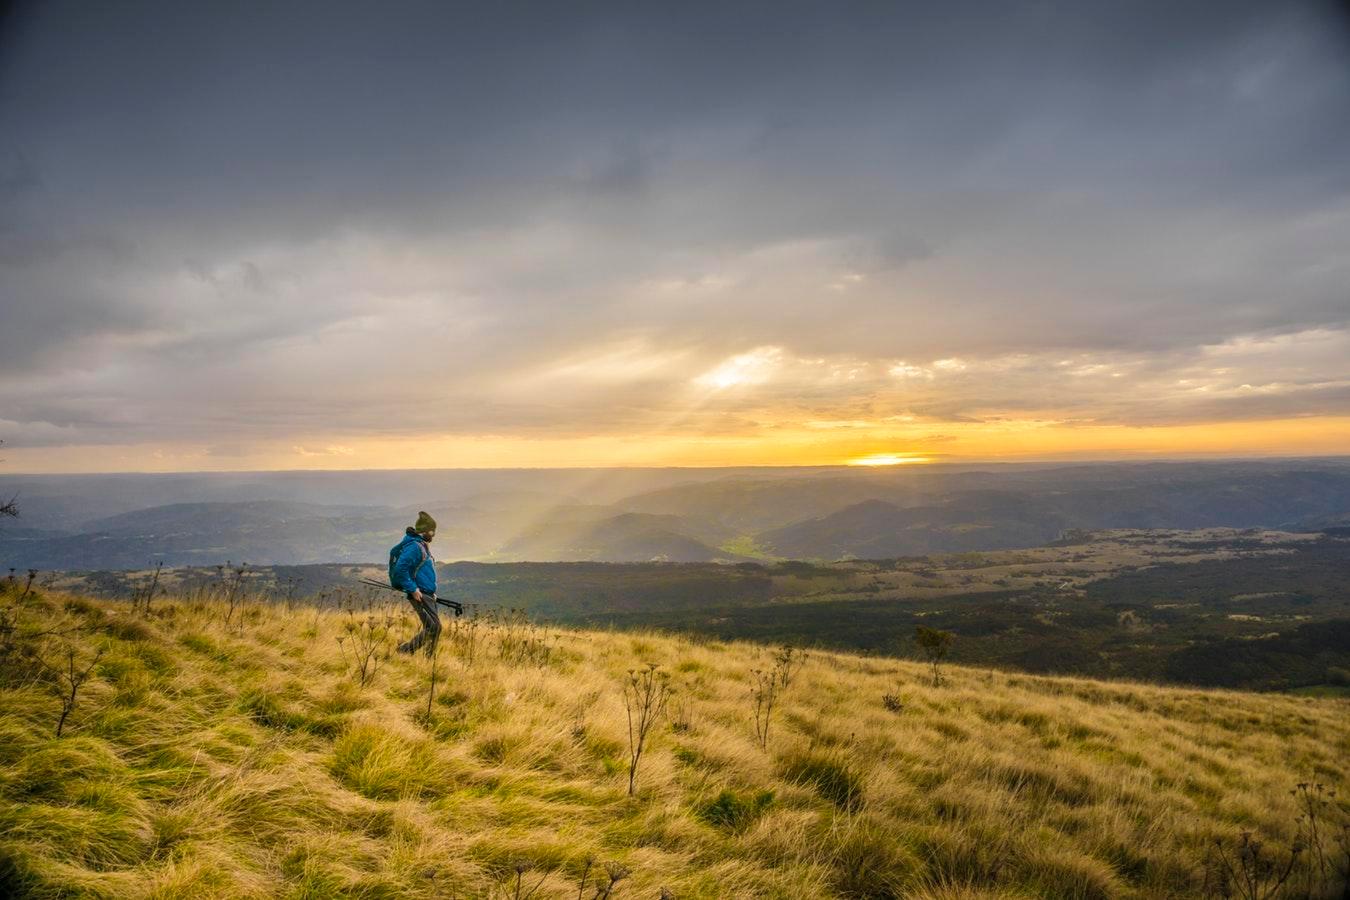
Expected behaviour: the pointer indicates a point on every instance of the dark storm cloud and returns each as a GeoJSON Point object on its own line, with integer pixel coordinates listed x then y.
{"type": "Point", "coordinates": [267, 216]}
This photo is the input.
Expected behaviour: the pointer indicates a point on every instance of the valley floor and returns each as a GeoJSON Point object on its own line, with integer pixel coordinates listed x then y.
{"type": "Point", "coordinates": [218, 752]}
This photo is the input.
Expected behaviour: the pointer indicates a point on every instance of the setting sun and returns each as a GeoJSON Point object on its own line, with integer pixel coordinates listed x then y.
{"type": "Point", "coordinates": [888, 459]}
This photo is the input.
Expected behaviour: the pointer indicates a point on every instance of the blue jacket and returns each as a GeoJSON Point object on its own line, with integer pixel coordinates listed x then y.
{"type": "Point", "coordinates": [414, 569]}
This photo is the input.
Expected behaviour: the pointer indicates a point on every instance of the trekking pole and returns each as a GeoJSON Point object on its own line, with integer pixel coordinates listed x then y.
{"type": "Point", "coordinates": [452, 604]}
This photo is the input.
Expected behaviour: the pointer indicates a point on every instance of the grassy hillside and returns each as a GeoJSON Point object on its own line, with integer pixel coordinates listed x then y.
{"type": "Point", "coordinates": [235, 753]}
{"type": "Point", "coordinates": [1212, 608]}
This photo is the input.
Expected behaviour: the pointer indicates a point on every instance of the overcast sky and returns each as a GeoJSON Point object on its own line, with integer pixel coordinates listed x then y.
{"type": "Point", "coordinates": [271, 235]}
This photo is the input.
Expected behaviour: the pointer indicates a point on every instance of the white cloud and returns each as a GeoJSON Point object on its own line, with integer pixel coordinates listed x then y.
{"type": "Point", "coordinates": [903, 369]}
{"type": "Point", "coordinates": [331, 450]}
{"type": "Point", "coordinates": [744, 370]}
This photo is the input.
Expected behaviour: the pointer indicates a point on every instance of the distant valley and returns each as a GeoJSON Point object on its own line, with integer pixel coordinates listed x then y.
{"type": "Point", "coordinates": [674, 515]}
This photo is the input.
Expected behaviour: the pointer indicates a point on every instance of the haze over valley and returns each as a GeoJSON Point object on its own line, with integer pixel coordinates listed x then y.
{"type": "Point", "coordinates": [636, 515]}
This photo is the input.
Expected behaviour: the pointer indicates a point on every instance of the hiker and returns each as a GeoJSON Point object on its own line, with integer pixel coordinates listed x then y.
{"type": "Point", "coordinates": [413, 571]}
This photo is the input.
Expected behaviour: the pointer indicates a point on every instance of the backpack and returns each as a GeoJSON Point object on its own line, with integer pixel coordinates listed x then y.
{"type": "Point", "coordinates": [395, 552]}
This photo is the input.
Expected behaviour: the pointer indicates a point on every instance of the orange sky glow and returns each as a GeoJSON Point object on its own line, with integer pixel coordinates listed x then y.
{"type": "Point", "coordinates": [787, 445]}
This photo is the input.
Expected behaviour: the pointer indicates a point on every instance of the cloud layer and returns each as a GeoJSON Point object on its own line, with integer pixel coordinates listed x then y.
{"type": "Point", "coordinates": [314, 227]}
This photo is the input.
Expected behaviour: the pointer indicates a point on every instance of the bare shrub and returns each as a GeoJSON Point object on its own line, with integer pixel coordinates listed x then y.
{"type": "Point", "coordinates": [604, 884]}
{"type": "Point", "coordinates": [233, 595]}
{"type": "Point", "coordinates": [766, 685]}
{"type": "Point", "coordinates": [1248, 870]}
{"type": "Point", "coordinates": [68, 678]}
{"type": "Point", "coordinates": [23, 638]}
{"type": "Point", "coordinates": [586, 868]}
{"type": "Point", "coordinates": [1316, 863]}
{"type": "Point", "coordinates": [364, 641]}
{"type": "Point", "coordinates": [763, 695]}
{"type": "Point", "coordinates": [141, 599]}
{"type": "Point", "coordinates": [521, 867]}
{"type": "Point", "coordinates": [645, 693]}
{"type": "Point", "coordinates": [288, 592]}
{"type": "Point", "coordinates": [615, 873]}
{"type": "Point", "coordinates": [787, 662]}
{"type": "Point", "coordinates": [934, 645]}
{"type": "Point", "coordinates": [1316, 828]}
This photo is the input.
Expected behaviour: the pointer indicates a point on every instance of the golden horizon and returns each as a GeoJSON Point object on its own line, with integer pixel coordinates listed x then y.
{"type": "Point", "coordinates": [784, 444]}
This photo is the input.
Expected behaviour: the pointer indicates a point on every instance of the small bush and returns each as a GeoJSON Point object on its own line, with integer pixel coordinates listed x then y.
{"type": "Point", "coordinates": [829, 775]}
{"type": "Point", "coordinates": [385, 766]}
{"type": "Point", "coordinates": [733, 811]}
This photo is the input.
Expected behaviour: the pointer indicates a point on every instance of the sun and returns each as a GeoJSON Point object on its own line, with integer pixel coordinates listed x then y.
{"type": "Point", "coordinates": [888, 459]}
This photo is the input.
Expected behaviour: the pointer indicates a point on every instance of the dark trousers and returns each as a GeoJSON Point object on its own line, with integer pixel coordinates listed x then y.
{"type": "Point", "coordinates": [431, 625]}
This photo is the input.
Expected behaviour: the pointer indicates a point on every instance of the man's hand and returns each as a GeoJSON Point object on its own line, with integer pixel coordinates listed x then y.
{"type": "Point", "coordinates": [417, 595]}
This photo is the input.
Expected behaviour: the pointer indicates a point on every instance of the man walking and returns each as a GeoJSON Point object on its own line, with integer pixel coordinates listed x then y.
{"type": "Point", "coordinates": [413, 571]}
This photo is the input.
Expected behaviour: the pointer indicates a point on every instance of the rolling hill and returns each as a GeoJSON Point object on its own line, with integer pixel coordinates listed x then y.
{"type": "Point", "coordinates": [875, 529]}
{"type": "Point", "coordinates": [626, 537]}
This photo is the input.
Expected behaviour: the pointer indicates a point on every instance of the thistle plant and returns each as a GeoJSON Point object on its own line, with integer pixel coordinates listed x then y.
{"type": "Point", "coordinates": [364, 641]}
{"type": "Point", "coordinates": [645, 694]}
{"type": "Point", "coordinates": [764, 687]}
{"type": "Point", "coordinates": [1316, 809]}
{"type": "Point", "coordinates": [1248, 870]}
{"type": "Point", "coordinates": [787, 662]}
{"type": "Point", "coordinates": [233, 596]}
{"type": "Point", "coordinates": [616, 873]}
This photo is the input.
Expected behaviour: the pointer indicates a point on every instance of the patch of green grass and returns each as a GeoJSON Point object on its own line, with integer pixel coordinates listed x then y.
{"type": "Point", "coordinates": [385, 766]}
{"type": "Point", "coordinates": [734, 811]}
{"type": "Point", "coordinates": [829, 774]}
{"type": "Point", "coordinates": [200, 643]}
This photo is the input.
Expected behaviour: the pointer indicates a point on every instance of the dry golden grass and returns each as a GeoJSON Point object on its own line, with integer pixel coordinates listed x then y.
{"type": "Point", "coordinates": [245, 761]}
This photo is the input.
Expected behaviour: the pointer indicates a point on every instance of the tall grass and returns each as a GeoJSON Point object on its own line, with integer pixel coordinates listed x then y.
{"type": "Point", "coordinates": [235, 752]}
